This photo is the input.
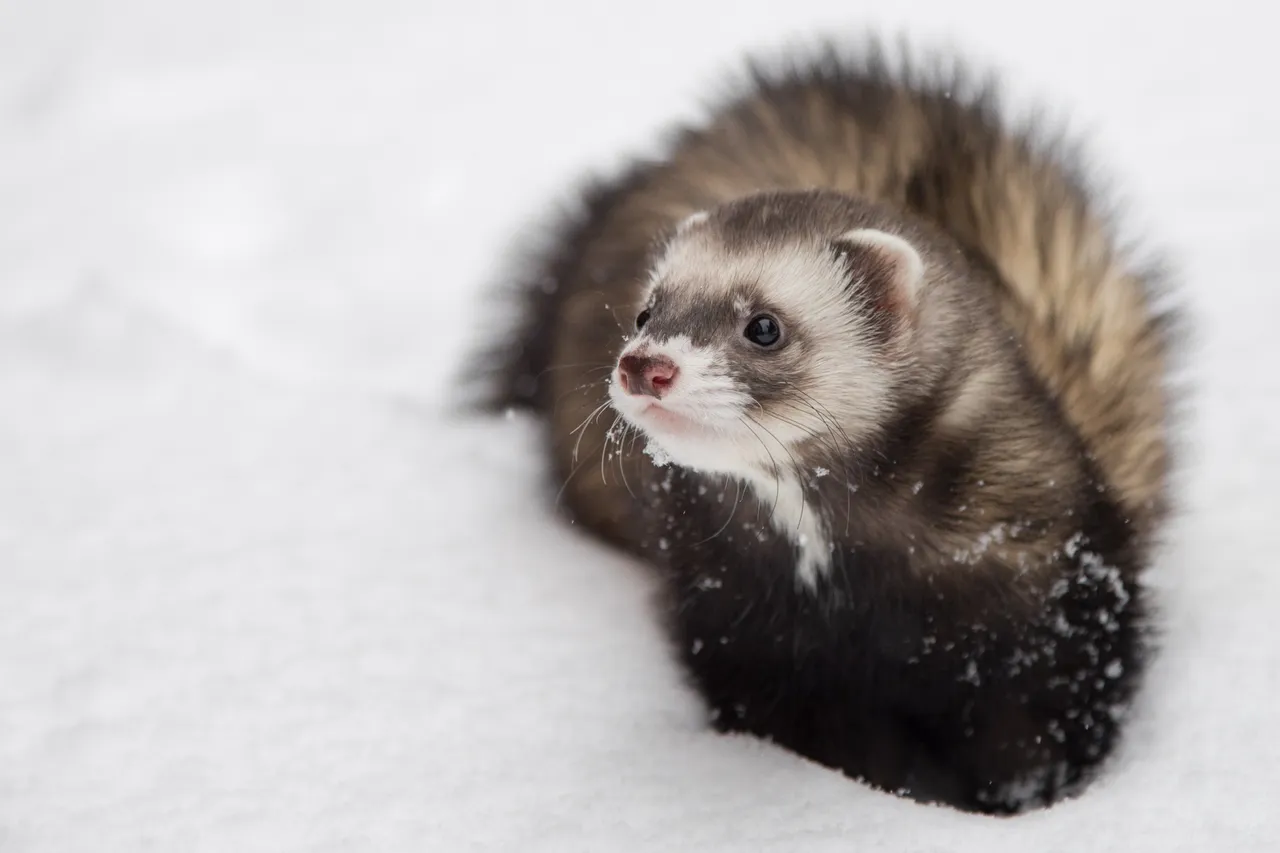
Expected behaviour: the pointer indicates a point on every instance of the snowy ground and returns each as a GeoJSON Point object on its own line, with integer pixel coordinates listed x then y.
{"type": "Point", "coordinates": [261, 591]}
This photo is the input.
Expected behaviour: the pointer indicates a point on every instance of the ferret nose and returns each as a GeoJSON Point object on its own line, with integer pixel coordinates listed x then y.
{"type": "Point", "coordinates": [647, 375]}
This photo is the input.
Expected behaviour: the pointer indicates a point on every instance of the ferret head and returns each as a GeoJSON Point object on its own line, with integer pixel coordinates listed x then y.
{"type": "Point", "coordinates": [774, 323]}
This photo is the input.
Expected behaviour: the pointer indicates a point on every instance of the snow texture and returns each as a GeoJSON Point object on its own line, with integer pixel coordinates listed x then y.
{"type": "Point", "coordinates": [264, 590]}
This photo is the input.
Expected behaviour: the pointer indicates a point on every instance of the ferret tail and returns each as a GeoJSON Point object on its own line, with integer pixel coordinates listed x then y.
{"type": "Point", "coordinates": [1095, 321]}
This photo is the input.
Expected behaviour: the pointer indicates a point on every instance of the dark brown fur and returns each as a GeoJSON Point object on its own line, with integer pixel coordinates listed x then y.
{"type": "Point", "coordinates": [936, 659]}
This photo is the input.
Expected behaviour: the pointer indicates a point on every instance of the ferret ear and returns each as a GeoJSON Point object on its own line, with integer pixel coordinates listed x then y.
{"type": "Point", "coordinates": [884, 268]}
{"type": "Point", "coordinates": [692, 220]}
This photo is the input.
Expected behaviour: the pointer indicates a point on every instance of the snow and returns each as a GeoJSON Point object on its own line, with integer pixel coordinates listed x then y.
{"type": "Point", "coordinates": [263, 589]}
{"type": "Point", "coordinates": [656, 453]}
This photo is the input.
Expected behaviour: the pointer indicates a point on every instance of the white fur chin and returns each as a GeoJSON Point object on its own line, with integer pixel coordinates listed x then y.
{"type": "Point", "coordinates": [699, 425]}
{"type": "Point", "coordinates": [695, 446]}
{"type": "Point", "coordinates": [709, 451]}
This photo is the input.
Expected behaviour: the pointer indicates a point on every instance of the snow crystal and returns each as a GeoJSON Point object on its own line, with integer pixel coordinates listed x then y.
{"type": "Point", "coordinates": [996, 535]}
{"type": "Point", "coordinates": [655, 452]}
{"type": "Point", "coordinates": [1072, 546]}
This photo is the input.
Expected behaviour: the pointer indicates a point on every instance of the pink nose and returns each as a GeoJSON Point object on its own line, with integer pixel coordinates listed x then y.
{"type": "Point", "coordinates": [646, 375]}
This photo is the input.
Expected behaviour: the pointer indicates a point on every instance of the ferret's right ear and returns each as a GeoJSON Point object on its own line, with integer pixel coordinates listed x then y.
{"type": "Point", "coordinates": [884, 269]}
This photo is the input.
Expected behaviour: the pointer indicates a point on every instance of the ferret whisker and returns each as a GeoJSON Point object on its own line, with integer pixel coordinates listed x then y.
{"type": "Point", "coordinates": [585, 366]}
{"type": "Point", "coordinates": [618, 440]}
{"type": "Point", "coordinates": [824, 414]}
{"type": "Point", "coordinates": [597, 410]}
{"type": "Point", "coordinates": [737, 499]}
{"type": "Point", "coordinates": [578, 464]}
{"type": "Point", "coordinates": [584, 387]}
{"type": "Point", "coordinates": [622, 454]}
{"type": "Point", "coordinates": [635, 436]}
{"type": "Point", "coordinates": [773, 465]}
{"type": "Point", "coordinates": [604, 448]}
{"type": "Point", "coordinates": [581, 428]}
{"type": "Point", "coordinates": [797, 467]}
{"type": "Point", "coordinates": [823, 438]}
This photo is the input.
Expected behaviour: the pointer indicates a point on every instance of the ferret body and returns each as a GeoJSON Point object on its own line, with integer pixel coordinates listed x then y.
{"type": "Point", "coordinates": [904, 405]}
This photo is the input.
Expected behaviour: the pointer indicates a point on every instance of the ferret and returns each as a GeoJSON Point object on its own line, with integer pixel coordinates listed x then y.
{"type": "Point", "coordinates": [864, 372]}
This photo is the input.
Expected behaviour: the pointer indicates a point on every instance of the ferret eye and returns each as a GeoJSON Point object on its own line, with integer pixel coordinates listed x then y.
{"type": "Point", "coordinates": [763, 331]}
{"type": "Point", "coordinates": [641, 319]}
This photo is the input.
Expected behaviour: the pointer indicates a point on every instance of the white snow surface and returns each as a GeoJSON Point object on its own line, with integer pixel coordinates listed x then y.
{"type": "Point", "coordinates": [262, 589]}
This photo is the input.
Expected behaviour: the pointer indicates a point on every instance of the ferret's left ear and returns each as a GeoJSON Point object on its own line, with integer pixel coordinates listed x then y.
{"type": "Point", "coordinates": [692, 221]}
{"type": "Point", "coordinates": [884, 268]}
